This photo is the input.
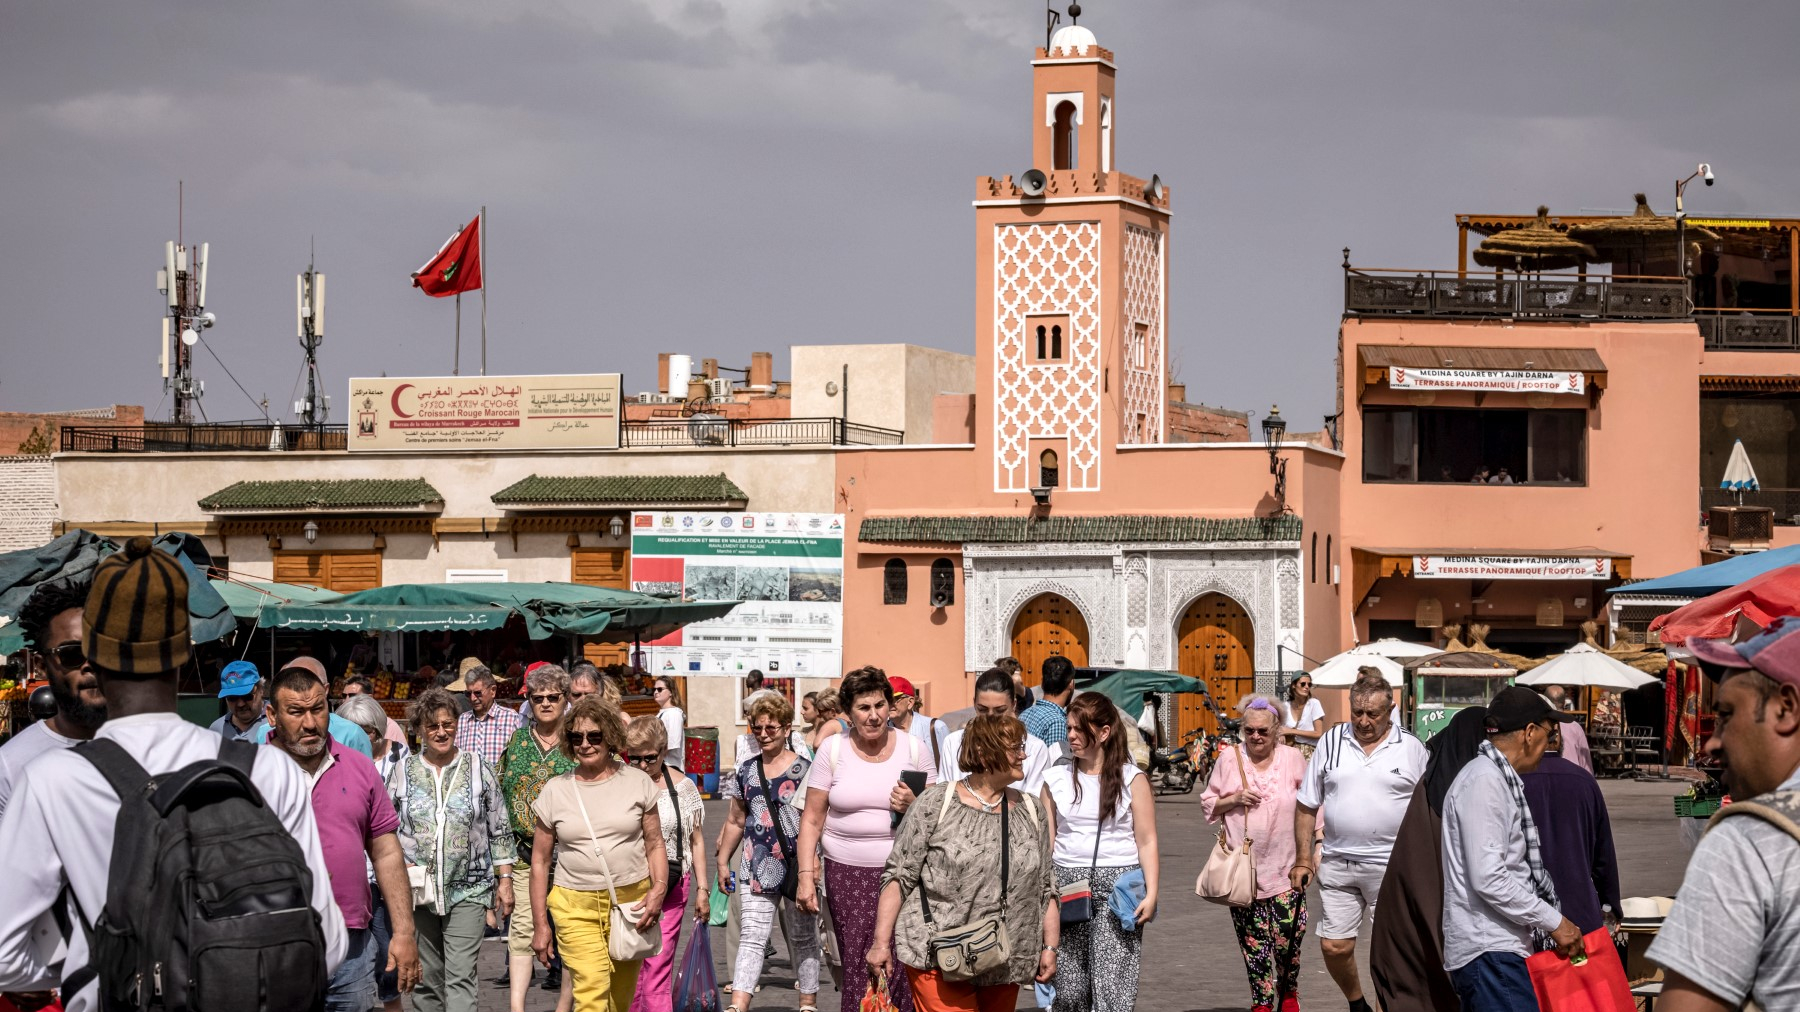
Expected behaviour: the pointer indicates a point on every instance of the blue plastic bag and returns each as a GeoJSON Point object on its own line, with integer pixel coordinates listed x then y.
{"type": "Point", "coordinates": [696, 987]}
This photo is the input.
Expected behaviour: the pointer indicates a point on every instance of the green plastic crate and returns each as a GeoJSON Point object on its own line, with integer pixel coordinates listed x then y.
{"type": "Point", "coordinates": [1696, 808]}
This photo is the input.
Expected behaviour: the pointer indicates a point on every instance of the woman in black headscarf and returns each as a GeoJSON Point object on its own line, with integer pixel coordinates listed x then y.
{"type": "Point", "coordinates": [1406, 956]}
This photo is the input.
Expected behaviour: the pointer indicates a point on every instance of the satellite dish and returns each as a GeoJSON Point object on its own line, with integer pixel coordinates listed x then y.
{"type": "Point", "coordinates": [1032, 183]}
{"type": "Point", "coordinates": [1153, 190]}
{"type": "Point", "coordinates": [190, 336]}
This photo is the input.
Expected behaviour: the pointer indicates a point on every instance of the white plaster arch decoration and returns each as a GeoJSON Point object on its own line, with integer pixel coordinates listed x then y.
{"type": "Point", "coordinates": [1287, 582]}
{"type": "Point", "coordinates": [1022, 597]}
{"type": "Point", "coordinates": [1241, 586]}
{"type": "Point", "coordinates": [1143, 382]}
{"type": "Point", "coordinates": [1137, 590]}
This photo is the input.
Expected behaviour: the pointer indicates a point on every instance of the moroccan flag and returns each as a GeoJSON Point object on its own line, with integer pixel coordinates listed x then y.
{"type": "Point", "coordinates": [456, 267]}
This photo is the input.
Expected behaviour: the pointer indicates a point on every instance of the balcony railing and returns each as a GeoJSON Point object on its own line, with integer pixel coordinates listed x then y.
{"type": "Point", "coordinates": [1447, 294]}
{"type": "Point", "coordinates": [1784, 501]}
{"type": "Point", "coordinates": [1739, 331]}
{"type": "Point", "coordinates": [700, 430]}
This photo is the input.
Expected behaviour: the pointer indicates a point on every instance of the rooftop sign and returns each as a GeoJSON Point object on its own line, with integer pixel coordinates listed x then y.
{"type": "Point", "coordinates": [1522, 381]}
{"type": "Point", "coordinates": [1511, 567]}
{"type": "Point", "coordinates": [485, 413]}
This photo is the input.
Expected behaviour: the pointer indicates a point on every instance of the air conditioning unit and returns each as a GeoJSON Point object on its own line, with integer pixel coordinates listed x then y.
{"type": "Point", "coordinates": [718, 388]}
{"type": "Point", "coordinates": [1740, 528]}
{"type": "Point", "coordinates": [646, 398]}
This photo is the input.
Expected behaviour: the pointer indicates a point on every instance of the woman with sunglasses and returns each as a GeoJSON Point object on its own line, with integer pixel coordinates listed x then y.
{"type": "Point", "coordinates": [1303, 717]}
{"type": "Point", "coordinates": [453, 825]}
{"type": "Point", "coordinates": [602, 823]}
{"type": "Point", "coordinates": [679, 809]}
{"type": "Point", "coordinates": [1252, 793]}
{"type": "Point", "coordinates": [532, 758]}
{"type": "Point", "coordinates": [674, 720]}
{"type": "Point", "coordinates": [763, 817]}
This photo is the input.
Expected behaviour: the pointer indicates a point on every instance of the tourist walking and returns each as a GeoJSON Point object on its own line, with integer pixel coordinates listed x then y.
{"type": "Point", "coordinates": [827, 720]}
{"type": "Point", "coordinates": [1499, 902]}
{"type": "Point", "coordinates": [1361, 776]}
{"type": "Point", "coordinates": [454, 829]}
{"type": "Point", "coordinates": [1103, 816]}
{"type": "Point", "coordinates": [679, 810]}
{"type": "Point", "coordinates": [363, 711]}
{"type": "Point", "coordinates": [1252, 793]}
{"type": "Point", "coordinates": [342, 731]}
{"type": "Point", "coordinates": [488, 726]}
{"type": "Point", "coordinates": [674, 719]}
{"type": "Point", "coordinates": [356, 832]}
{"type": "Point", "coordinates": [245, 717]}
{"type": "Point", "coordinates": [601, 822]}
{"type": "Point", "coordinates": [1574, 835]}
{"type": "Point", "coordinates": [135, 640]}
{"type": "Point", "coordinates": [532, 758]}
{"type": "Point", "coordinates": [994, 698]}
{"type": "Point", "coordinates": [909, 718]}
{"type": "Point", "coordinates": [1047, 719]}
{"type": "Point", "coordinates": [1302, 716]}
{"type": "Point", "coordinates": [763, 817]}
{"type": "Point", "coordinates": [1406, 947]}
{"type": "Point", "coordinates": [970, 850]}
{"type": "Point", "coordinates": [856, 797]}
{"type": "Point", "coordinates": [1732, 934]}
{"type": "Point", "coordinates": [52, 618]}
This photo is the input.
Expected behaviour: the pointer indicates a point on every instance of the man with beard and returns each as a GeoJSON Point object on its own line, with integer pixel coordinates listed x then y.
{"type": "Point", "coordinates": [356, 819]}
{"type": "Point", "coordinates": [52, 618]}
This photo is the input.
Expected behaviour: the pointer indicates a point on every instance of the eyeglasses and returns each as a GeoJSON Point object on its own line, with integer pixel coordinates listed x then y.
{"type": "Point", "coordinates": [638, 760]}
{"type": "Point", "coordinates": [767, 729]}
{"type": "Point", "coordinates": [547, 697]}
{"type": "Point", "coordinates": [1018, 749]}
{"type": "Point", "coordinates": [446, 727]}
{"type": "Point", "coordinates": [69, 656]}
{"type": "Point", "coordinates": [595, 738]}
{"type": "Point", "coordinates": [1258, 732]}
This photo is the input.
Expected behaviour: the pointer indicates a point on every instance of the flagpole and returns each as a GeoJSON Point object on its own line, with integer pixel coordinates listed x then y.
{"type": "Point", "coordinates": [456, 356]}
{"type": "Point", "coordinates": [481, 255]}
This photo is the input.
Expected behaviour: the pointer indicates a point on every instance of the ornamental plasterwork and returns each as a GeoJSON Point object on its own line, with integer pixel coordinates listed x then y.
{"type": "Point", "coordinates": [1047, 269]}
{"type": "Point", "coordinates": [1143, 301]}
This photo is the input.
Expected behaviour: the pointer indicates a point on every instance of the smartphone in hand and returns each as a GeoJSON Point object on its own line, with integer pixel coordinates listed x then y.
{"type": "Point", "coordinates": [914, 779]}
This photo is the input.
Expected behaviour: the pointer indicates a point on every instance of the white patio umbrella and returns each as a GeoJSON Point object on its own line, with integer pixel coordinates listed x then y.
{"type": "Point", "coordinates": [1740, 477]}
{"type": "Point", "coordinates": [1583, 664]}
{"type": "Point", "coordinates": [1341, 669]}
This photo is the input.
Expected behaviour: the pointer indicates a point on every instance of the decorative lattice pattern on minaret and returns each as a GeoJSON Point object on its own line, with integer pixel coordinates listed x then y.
{"type": "Point", "coordinates": [1047, 269]}
{"type": "Point", "coordinates": [1143, 379]}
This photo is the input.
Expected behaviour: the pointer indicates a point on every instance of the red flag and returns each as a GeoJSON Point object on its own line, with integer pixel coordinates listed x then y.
{"type": "Point", "coordinates": [456, 267]}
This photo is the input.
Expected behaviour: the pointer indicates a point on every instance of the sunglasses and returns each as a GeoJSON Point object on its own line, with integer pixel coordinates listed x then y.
{"type": "Point", "coordinates": [767, 729]}
{"type": "Point", "coordinates": [1302, 685]}
{"type": "Point", "coordinates": [594, 738]}
{"type": "Point", "coordinates": [547, 697]}
{"type": "Point", "coordinates": [69, 656]}
{"type": "Point", "coordinates": [450, 727]}
{"type": "Point", "coordinates": [641, 760]}
{"type": "Point", "coordinates": [1258, 732]}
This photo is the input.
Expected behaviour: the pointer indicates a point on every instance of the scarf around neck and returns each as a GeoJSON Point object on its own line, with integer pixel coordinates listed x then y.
{"type": "Point", "coordinates": [1540, 877]}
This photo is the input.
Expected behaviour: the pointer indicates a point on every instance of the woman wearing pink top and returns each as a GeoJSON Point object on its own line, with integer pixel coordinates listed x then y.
{"type": "Point", "coordinates": [1259, 801]}
{"type": "Point", "coordinates": [854, 799]}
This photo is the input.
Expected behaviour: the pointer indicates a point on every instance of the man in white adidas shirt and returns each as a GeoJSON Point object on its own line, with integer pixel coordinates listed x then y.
{"type": "Point", "coordinates": [1362, 775]}
{"type": "Point", "coordinates": [61, 817]}
{"type": "Point", "coordinates": [994, 696]}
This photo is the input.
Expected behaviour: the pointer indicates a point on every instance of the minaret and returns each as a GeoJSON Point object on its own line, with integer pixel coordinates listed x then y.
{"type": "Point", "coordinates": [1072, 268]}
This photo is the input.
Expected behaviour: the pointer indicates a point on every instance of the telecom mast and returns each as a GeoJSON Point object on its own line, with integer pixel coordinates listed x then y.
{"type": "Point", "coordinates": [182, 278]}
{"type": "Point", "coordinates": [309, 301]}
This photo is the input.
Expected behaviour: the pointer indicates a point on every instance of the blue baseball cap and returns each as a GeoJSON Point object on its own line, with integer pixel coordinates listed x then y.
{"type": "Point", "coordinates": [239, 678]}
{"type": "Point", "coordinates": [1775, 651]}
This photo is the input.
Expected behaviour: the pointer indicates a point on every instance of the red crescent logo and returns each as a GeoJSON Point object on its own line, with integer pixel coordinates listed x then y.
{"type": "Point", "coordinates": [402, 388]}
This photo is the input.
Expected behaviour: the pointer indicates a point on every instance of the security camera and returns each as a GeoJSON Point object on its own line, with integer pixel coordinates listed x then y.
{"type": "Point", "coordinates": [1706, 173]}
{"type": "Point", "coordinates": [207, 319]}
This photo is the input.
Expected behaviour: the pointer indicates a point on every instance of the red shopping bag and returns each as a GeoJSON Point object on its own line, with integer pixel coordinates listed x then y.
{"type": "Point", "coordinates": [876, 999]}
{"type": "Point", "coordinates": [1595, 983]}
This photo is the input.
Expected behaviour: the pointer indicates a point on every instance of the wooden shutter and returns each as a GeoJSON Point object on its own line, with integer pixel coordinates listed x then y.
{"type": "Point", "coordinates": [601, 567]}
{"type": "Point", "coordinates": [341, 570]}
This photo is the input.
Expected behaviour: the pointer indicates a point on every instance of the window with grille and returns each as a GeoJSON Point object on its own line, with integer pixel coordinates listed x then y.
{"type": "Point", "coordinates": [943, 583]}
{"type": "Point", "coordinates": [893, 582]}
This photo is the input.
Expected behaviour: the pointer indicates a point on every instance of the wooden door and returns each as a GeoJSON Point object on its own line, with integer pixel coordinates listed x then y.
{"type": "Point", "coordinates": [333, 569]}
{"type": "Point", "coordinates": [1214, 643]}
{"type": "Point", "coordinates": [603, 567]}
{"type": "Point", "coordinates": [1048, 625]}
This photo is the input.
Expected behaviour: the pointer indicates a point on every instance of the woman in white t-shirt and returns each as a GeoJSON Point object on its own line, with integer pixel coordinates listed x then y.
{"type": "Point", "coordinates": [668, 699]}
{"type": "Point", "coordinates": [1302, 716]}
{"type": "Point", "coordinates": [1097, 960]}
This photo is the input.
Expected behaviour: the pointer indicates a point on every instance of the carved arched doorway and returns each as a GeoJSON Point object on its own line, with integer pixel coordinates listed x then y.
{"type": "Point", "coordinates": [1215, 642]}
{"type": "Point", "coordinates": [1049, 624]}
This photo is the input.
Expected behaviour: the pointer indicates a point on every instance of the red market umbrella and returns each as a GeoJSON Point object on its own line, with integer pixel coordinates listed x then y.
{"type": "Point", "coordinates": [1757, 601]}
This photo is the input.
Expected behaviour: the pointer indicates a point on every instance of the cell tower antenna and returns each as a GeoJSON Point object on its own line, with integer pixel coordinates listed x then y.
{"type": "Point", "coordinates": [182, 281]}
{"type": "Point", "coordinates": [309, 310]}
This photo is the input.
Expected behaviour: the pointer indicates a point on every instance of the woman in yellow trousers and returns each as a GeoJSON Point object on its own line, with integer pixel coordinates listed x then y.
{"type": "Point", "coordinates": [600, 818]}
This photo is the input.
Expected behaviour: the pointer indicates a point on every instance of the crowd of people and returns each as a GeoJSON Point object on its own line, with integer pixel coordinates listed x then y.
{"type": "Point", "coordinates": [947, 867]}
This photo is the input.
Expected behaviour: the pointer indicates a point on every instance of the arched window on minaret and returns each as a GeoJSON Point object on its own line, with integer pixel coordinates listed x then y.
{"type": "Point", "coordinates": [1065, 137]}
{"type": "Point", "coordinates": [1105, 134]}
{"type": "Point", "coordinates": [1056, 343]}
{"type": "Point", "coordinates": [1047, 469]}
{"type": "Point", "coordinates": [1043, 346]}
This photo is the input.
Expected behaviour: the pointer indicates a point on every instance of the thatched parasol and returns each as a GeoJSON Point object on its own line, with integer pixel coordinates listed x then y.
{"type": "Point", "coordinates": [1535, 247]}
{"type": "Point", "coordinates": [1643, 231]}
{"type": "Point", "coordinates": [1478, 632]}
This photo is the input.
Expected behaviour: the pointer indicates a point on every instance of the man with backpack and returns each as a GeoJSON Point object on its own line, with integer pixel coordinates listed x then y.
{"type": "Point", "coordinates": [1730, 939]}
{"type": "Point", "coordinates": [215, 895]}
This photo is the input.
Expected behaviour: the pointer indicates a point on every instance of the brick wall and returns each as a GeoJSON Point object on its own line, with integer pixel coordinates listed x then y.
{"type": "Point", "coordinates": [16, 426]}
{"type": "Point", "coordinates": [1198, 423]}
{"type": "Point", "coordinates": [27, 501]}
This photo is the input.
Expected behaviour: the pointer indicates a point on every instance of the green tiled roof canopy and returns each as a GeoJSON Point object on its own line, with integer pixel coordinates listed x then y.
{"type": "Point", "coordinates": [624, 490]}
{"type": "Point", "coordinates": [306, 494]}
{"type": "Point", "coordinates": [1002, 530]}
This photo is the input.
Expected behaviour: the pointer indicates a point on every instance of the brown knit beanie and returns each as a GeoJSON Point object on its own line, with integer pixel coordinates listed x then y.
{"type": "Point", "coordinates": [136, 621]}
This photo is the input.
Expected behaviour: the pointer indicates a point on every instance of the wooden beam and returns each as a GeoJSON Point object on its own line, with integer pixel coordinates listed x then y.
{"type": "Point", "coordinates": [133, 528]}
{"type": "Point", "coordinates": [1462, 248]}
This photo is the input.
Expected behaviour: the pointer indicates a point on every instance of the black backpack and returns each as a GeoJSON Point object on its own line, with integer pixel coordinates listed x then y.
{"type": "Point", "coordinates": [208, 897]}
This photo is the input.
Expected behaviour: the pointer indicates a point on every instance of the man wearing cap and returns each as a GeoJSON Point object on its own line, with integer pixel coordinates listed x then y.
{"type": "Point", "coordinates": [52, 618]}
{"type": "Point", "coordinates": [908, 718]}
{"type": "Point", "coordinates": [345, 732]}
{"type": "Point", "coordinates": [1500, 902]}
{"type": "Point", "coordinates": [135, 636]}
{"type": "Point", "coordinates": [1732, 935]}
{"type": "Point", "coordinates": [241, 687]}
{"type": "Point", "coordinates": [1574, 833]}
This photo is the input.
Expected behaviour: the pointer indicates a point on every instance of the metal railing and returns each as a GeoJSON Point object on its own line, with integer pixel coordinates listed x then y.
{"type": "Point", "coordinates": [1447, 294]}
{"type": "Point", "coordinates": [1784, 501]}
{"type": "Point", "coordinates": [699, 430]}
{"type": "Point", "coordinates": [1738, 330]}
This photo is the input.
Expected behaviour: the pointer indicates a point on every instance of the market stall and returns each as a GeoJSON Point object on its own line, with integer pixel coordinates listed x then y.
{"type": "Point", "coordinates": [1444, 684]}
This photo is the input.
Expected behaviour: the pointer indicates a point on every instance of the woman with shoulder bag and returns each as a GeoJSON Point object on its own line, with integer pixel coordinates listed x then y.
{"type": "Point", "coordinates": [679, 809]}
{"type": "Point", "coordinates": [763, 817]}
{"type": "Point", "coordinates": [602, 825]}
{"type": "Point", "coordinates": [1252, 792]}
{"type": "Point", "coordinates": [1107, 866]}
{"type": "Point", "coordinates": [533, 756]}
{"type": "Point", "coordinates": [970, 936]}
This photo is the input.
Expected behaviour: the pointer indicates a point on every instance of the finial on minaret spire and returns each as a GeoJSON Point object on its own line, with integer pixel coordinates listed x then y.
{"type": "Point", "coordinates": [1074, 14]}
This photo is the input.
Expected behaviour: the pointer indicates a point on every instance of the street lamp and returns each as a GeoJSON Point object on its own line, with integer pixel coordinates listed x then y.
{"type": "Point", "coordinates": [1274, 431]}
{"type": "Point", "coordinates": [1703, 172]}
{"type": "Point", "coordinates": [311, 530]}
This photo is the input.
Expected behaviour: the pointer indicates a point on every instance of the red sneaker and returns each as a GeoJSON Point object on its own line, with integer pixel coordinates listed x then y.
{"type": "Point", "coordinates": [1290, 1003]}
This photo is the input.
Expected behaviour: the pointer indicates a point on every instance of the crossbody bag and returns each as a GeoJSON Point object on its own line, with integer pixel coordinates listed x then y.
{"type": "Point", "coordinates": [625, 943]}
{"type": "Point", "coordinates": [675, 803]}
{"type": "Point", "coordinates": [1076, 900]}
{"type": "Point", "coordinates": [982, 945]}
{"type": "Point", "coordinates": [790, 862]}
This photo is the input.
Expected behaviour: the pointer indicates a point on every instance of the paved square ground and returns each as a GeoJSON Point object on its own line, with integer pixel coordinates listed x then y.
{"type": "Point", "coordinates": [1191, 961]}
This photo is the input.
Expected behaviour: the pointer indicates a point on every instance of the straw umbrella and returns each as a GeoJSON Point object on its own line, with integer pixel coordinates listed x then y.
{"type": "Point", "coordinates": [1638, 237]}
{"type": "Point", "coordinates": [1533, 247]}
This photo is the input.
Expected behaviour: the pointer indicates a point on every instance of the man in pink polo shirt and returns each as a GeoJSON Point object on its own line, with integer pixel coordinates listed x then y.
{"type": "Point", "coordinates": [356, 823]}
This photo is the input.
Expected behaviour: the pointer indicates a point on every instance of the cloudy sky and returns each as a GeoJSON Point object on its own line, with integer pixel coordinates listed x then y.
{"type": "Point", "coordinates": [722, 176]}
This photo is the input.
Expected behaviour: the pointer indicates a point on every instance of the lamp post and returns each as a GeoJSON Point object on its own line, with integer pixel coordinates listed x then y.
{"type": "Point", "coordinates": [1274, 429]}
{"type": "Point", "coordinates": [311, 530]}
{"type": "Point", "coordinates": [1703, 172]}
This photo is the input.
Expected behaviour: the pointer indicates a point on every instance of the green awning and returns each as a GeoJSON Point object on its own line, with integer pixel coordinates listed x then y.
{"type": "Point", "coordinates": [246, 598]}
{"type": "Point", "coordinates": [547, 608]}
{"type": "Point", "coordinates": [343, 616]}
{"type": "Point", "coordinates": [1126, 687]}
{"type": "Point", "coordinates": [73, 556]}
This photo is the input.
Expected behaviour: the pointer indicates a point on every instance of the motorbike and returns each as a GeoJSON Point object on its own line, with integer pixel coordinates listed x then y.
{"type": "Point", "coordinates": [1172, 769]}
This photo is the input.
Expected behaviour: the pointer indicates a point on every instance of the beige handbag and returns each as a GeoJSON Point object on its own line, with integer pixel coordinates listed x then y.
{"type": "Point", "coordinates": [1230, 875]}
{"type": "Point", "coordinates": [624, 942]}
